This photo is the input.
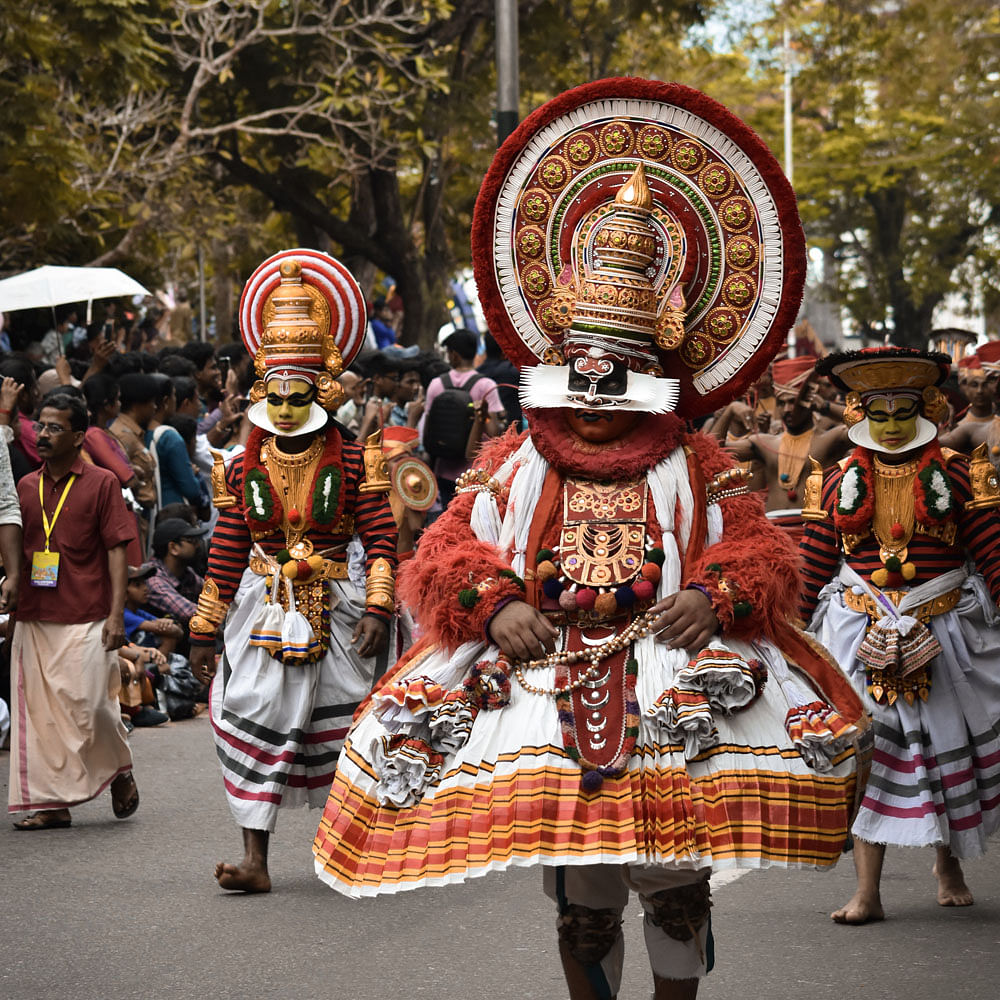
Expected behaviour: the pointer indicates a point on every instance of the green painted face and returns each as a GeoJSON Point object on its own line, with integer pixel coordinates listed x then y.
{"type": "Point", "coordinates": [289, 402]}
{"type": "Point", "coordinates": [892, 429]}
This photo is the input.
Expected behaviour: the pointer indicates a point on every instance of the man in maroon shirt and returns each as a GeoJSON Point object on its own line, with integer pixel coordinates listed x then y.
{"type": "Point", "coordinates": [68, 741]}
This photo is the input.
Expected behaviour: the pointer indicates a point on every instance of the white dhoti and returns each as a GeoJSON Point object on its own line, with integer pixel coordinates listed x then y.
{"type": "Point", "coordinates": [67, 737]}
{"type": "Point", "coordinates": [935, 777]}
{"type": "Point", "coordinates": [279, 728]}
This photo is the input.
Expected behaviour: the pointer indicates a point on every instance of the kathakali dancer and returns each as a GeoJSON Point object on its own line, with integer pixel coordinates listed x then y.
{"type": "Point", "coordinates": [607, 684]}
{"type": "Point", "coordinates": [303, 643]}
{"type": "Point", "coordinates": [902, 566]}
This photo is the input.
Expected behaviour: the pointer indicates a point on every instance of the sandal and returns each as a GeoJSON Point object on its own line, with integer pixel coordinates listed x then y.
{"type": "Point", "coordinates": [44, 819]}
{"type": "Point", "coordinates": [124, 809]}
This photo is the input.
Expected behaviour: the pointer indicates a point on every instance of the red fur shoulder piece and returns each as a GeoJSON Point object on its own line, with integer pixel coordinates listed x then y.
{"type": "Point", "coordinates": [495, 451]}
{"type": "Point", "coordinates": [652, 439]}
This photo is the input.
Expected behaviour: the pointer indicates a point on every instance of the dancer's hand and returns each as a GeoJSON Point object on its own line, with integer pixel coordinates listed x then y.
{"type": "Point", "coordinates": [522, 632]}
{"type": "Point", "coordinates": [202, 661]}
{"type": "Point", "coordinates": [686, 620]}
{"type": "Point", "coordinates": [370, 635]}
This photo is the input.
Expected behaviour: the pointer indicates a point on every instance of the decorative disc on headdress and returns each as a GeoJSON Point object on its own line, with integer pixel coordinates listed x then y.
{"type": "Point", "coordinates": [339, 304]}
{"type": "Point", "coordinates": [415, 483]}
{"type": "Point", "coordinates": [885, 369]}
{"type": "Point", "coordinates": [642, 221]}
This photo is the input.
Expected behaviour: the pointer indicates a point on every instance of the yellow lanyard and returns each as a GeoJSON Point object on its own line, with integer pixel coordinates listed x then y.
{"type": "Point", "coordinates": [46, 523]}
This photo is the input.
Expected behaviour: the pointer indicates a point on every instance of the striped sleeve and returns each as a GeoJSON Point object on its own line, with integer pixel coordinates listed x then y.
{"type": "Point", "coordinates": [979, 529]}
{"type": "Point", "coordinates": [373, 520]}
{"type": "Point", "coordinates": [819, 554]}
{"type": "Point", "coordinates": [230, 548]}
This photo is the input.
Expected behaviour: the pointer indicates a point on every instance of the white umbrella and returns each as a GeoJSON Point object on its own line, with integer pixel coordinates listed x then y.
{"type": "Point", "coordinates": [54, 286]}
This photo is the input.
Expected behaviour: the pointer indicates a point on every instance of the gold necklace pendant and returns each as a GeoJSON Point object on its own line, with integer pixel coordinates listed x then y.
{"type": "Point", "coordinates": [894, 519]}
{"type": "Point", "coordinates": [292, 476]}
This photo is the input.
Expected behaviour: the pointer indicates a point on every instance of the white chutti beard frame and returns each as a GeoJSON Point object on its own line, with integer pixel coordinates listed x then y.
{"type": "Point", "coordinates": [861, 435]}
{"type": "Point", "coordinates": [258, 416]}
{"type": "Point", "coordinates": [547, 386]}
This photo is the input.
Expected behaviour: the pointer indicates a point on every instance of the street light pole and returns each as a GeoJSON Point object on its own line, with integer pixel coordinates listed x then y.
{"type": "Point", "coordinates": [507, 68]}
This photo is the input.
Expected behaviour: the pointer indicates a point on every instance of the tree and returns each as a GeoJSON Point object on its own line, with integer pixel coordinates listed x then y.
{"type": "Point", "coordinates": [898, 151]}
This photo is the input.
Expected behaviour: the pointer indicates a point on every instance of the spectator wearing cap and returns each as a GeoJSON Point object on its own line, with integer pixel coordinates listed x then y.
{"type": "Point", "coordinates": [144, 627]}
{"type": "Point", "coordinates": [175, 586]}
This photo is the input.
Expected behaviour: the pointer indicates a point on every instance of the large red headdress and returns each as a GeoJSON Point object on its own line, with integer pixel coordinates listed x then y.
{"type": "Point", "coordinates": [636, 224]}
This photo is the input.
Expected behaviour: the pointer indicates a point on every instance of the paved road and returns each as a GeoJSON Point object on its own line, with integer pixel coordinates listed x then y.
{"type": "Point", "coordinates": [111, 910]}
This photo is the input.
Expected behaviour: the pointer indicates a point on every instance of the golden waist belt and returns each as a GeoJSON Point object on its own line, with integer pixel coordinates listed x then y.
{"type": "Point", "coordinates": [923, 612]}
{"type": "Point", "coordinates": [330, 570]}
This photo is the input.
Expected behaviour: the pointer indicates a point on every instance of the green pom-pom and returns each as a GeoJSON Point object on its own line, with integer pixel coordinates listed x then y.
{"type": "Point", "coordinates": [631, 731]}
{"type": "Point", "coordinates": [573, 753]}
{"type": "Point", "coordinates": [468, 597]}
{"type": "Point", "coordinates": [655, 556]}
{"type": "Point", "coordinates": [742, 609]}
{"type": "Point", "coordinates": [632, 667]}
{"type": "Point", "coordinates": [283, 556]}
{"type": "Point", "coordinates": [714, 568]}
{"type": "Point", "coordinates": [893, 564]}
{"type": "Point", "coordinates": [544, 554]}
{"type": "Point", "coordinates": [509, 574]}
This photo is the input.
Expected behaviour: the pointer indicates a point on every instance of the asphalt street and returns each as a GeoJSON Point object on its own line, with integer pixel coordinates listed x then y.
{"type": "Point", "coordinates": [129, 909]}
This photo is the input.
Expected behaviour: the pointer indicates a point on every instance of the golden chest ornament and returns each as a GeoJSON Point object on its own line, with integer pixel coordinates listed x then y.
{"type": "Point", "coordinates": [601, 542]}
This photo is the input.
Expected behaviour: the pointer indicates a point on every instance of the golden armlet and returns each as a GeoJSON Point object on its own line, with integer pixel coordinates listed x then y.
{"type": "Point", "coordinates": [221, 496]}
{"type": "Point", "coordinates": [380, 588]}
{"type": "Point", "coordinates": [376, 469]}
{"type": "Point", "coordinates": [211, 611]}
{"type": "Point", "coordinates": [728, 483]}
{"type": "Point", "coordinates": [983, 481]}
{"type": "Point", "coordinates": [812, 502]}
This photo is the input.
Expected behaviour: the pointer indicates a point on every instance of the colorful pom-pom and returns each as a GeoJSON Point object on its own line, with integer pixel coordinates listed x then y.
{"type": "Point", "coordinates": [592, 780]}
{"type": "Point", "coordinates": [893, 564]}
{"type": "Point", "coordinates": [283, 556]}
{"type": "Point", "coordinates": [909, 571]}
{"type": "Point", "coordinates": [552, 589]}
{"type": "Point", "coordinates": [714, 568]}
{"type": "Point", "coordinates": [880, 577]}
{"type": "Point", "coordinates": [294, 516]}
{"type": "Point", "coordinates": [315, 563]}
{"type": "Point", "coordinates": [567, 600]}
{"type": "Point", "coordinates": [655, 556]}
{"type": "Point", "coordinates": [545, 570]}
{"type": "Point", "coordinates": [896, 530]}
{"type": "Point", "coordinates": [625, 596]}
{"type": "Point", "coordinates": [606, 605]}
{"type": "Point", "coordinates": [468, 597]}
{"type": "Point", "coordinates": [586, 598]}
{"type": "Point", "coordinates": [643, 590]}
{"type": "Point", "coordinates": [290, 569]}
{"type": "Point", "coordinates": [543, 555]}
{"type": "Point", "coordinates": [651, 572]}
{"type": "Point", "coordinates": [304, 568]}
{"type": "Point", "coordinates": [742, 609]}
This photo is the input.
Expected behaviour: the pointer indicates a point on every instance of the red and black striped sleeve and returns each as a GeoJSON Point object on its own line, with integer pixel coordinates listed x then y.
{"type": "Point", "coordinates": [230, 549]}
{"type": "Point", "coordinates": [978, 529]}
{"type": "Point", "coordinates": [373, 520]}
{"type": "Point", "coordinates": [819, 552]}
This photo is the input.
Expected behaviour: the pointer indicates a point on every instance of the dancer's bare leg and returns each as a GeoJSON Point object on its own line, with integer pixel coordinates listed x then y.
{"type": "Point", "coordinates": [866, 903]}
{"type": "Point", "coordinates": [576, 977]}
{"type": "Point", "coordinates": [952, 890]}
{"type": "Point", "coordinates": [250, 875]}
{"type": "Point", "coordinates": [674, 989]}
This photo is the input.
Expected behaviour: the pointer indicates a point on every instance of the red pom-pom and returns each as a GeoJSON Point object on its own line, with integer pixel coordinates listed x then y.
{"type": "Point", "coordinates": [294, 516]}
{"type": "Point", "coordinates": [897, 530]}
{"type": "Point", "coordinates": [304, 568]}
{"type": "Point", "coordinates": [651, 572]}
{"type": "Point", "coordinates": [586, 598]}
{"type": "Point", "coordinates": [643, 590]}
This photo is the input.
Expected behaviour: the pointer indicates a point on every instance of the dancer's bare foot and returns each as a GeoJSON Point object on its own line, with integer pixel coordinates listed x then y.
{"type": "Point", "coordinates": [244, 877]}
{"type": "Point", "coordinates": [860, 909]}
{"type": "Point", "coordinates": [952, 890]}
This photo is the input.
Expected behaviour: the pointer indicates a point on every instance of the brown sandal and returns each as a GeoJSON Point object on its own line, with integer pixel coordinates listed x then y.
{"type": "Point", "coordinates": [44, 819]}
{"type": "Point", "coordinates": [123, 810]}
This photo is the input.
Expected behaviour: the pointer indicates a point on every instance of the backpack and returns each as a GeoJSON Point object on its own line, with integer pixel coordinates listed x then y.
{"type": "Point", "coordinates": [449, 420]}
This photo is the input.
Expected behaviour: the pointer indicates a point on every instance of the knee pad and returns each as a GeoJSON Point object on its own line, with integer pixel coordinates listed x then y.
{"type": "Point", "coordinates": [680, 913]}
{"type": "Point", "coordinates": [588, 934]}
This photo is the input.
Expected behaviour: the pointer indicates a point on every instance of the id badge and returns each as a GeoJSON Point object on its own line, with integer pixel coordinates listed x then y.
{"type": "Point", "coordinates": [44, 569]}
